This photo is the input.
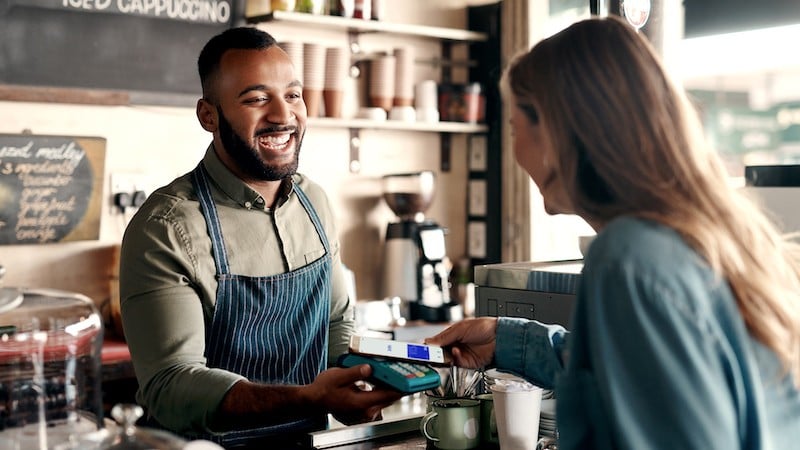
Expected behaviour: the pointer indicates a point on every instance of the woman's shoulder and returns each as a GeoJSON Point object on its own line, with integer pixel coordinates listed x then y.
{"type": "Point", "coordinates": [647, 248]}
{"type": "Point", "coordinates": [654, 261]}
{"type": "Point", "coordinates": [644, 240]}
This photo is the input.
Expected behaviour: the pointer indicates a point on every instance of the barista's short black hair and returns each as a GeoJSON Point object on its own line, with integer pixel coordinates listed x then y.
{"type": "Point", "coordinates": [245, 38]}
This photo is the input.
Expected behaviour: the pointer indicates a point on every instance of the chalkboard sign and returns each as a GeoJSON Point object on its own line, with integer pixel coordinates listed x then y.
{"type": "Point", "coordinates": [50, 188]}
{"type": "Point", "coordinates": [132, 45]}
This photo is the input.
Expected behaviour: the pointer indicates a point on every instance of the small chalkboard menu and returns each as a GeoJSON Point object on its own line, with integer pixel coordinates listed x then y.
{"type": "Point", "coordinates": [50, 188]}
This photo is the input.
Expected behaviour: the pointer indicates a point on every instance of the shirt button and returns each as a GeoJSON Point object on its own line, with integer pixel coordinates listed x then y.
{"type": "Point", "coordinates": [259, 201]}
{"type": "Point", "coordinates": [248, 205]}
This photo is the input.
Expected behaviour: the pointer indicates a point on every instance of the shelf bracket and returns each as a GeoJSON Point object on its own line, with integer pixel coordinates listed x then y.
{"type": "Point", "coordinates": [445, 143]}
{"type": "Point", "coordinates": [355, 150]}
{"type": "Point", "coordinates": [447, 55]}
{"type": "Point", "coordinates": [355, 52]}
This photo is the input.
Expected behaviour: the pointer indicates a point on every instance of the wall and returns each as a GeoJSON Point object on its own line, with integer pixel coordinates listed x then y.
{"type": "Point", "coordinates": [163, 142]}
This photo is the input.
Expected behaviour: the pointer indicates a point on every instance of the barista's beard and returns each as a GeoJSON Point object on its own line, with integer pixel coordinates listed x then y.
{"type": "Point", "coordinates": [247, 158]}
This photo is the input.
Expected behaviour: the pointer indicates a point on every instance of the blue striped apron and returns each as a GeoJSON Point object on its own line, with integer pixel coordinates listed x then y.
{"type": "Point", "coordinates": [272, 330]}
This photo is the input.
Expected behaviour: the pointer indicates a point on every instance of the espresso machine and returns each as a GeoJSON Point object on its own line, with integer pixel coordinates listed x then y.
{"type": "Point", "coordinates": [415, 264]}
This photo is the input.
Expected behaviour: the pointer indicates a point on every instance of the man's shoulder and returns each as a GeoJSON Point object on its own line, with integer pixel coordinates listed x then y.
{"type": "Point", "coordinates": [174, 201]}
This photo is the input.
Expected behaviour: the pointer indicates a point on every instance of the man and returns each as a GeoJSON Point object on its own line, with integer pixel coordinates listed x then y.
{"type": "Point", "coordinates": [233, 296]}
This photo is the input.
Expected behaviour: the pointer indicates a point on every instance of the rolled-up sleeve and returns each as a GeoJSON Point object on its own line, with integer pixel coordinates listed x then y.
{"type": "Point", "coordinates": [531, 349]}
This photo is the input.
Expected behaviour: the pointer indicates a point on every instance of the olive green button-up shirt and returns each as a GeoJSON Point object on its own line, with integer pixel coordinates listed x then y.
{"type": "Point", "coordinates": [168, 285]}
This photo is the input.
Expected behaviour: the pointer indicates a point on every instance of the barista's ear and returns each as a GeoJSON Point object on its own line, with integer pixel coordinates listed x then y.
{"type": "Point", "coordinates": [207, 115]}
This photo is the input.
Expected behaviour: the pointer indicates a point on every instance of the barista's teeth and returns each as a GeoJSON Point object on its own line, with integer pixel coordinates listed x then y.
{"type": "Point", "coordinates": [275, 140]}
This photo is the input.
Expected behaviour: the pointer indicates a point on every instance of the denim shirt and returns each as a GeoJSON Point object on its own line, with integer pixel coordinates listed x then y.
{"type": "Point", "coordinates": [659, 356]}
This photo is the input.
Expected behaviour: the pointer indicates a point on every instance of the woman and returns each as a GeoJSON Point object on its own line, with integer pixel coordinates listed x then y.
{"type": "Point", "coordinates": [686, 331]}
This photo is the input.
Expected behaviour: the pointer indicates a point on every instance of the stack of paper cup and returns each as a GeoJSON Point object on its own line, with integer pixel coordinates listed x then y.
{"type": "Point", "coordinates": [381, 82]}
{"type": "Point", "coordinates": [426, 101]}
{"type": "Point", "coordinates": [337, 65]}
{"type": "Point", "coordinates": [404, 76]}
{"type": "Point", "coordinates": [295, 52]}
{"type": "Point", "coordinates": [313, 76]}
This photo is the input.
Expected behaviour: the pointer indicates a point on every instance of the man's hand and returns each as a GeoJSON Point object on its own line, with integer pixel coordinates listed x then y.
{"type": "Point", "coordinates": [472, 341]}
{"type": "Point", "coordinates": [342, 393]}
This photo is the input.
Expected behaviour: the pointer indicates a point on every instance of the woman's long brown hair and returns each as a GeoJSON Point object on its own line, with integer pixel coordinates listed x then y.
{"type": "Point", "coordinates": [630, 143]}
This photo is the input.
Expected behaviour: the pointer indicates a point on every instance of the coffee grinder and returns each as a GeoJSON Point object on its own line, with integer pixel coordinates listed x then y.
{"type": "Point", "coordinates": [415, 264]}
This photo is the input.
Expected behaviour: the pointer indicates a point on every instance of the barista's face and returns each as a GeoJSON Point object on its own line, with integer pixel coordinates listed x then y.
{"type": "Point", "coordinates": [535, 153]}
{"type": "Point", "coordinates": [260, 114]}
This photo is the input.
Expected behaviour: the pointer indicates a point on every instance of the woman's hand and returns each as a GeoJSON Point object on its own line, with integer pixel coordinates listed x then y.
{"type": "Point", "coordinates": [471, 341]}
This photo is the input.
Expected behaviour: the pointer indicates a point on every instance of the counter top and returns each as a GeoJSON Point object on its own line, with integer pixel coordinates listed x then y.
{"type": "Point", "coordinates": [558, 277]}
{"type": "Point", "coordinates": [399, 419]}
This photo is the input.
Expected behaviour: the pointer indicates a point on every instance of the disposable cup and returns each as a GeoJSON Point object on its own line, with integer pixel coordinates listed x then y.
{"type": "Point", "coordinates": [313, 66]}
{"type": "Point", "coordinates": [337, 65]}
{"type": "Point", "coordinates": [332, 99]}
{"type": "Point", "coordinates": [517, 409]}
{"type": "Point", "coordinates": [295, 52]}
{"type": "Point", "coordinates": [313, 100]}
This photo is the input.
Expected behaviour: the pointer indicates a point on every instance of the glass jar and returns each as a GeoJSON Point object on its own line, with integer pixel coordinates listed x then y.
{"type": "Point", "coordinates": [283, 5]}
{"type": "Point", "coordinates": [310, 6]}
{"type": "Point", "coordinates": [50, 369]}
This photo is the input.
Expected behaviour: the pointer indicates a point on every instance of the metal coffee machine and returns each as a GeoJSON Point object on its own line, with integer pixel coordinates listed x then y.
{"type": "Point", "coordinates": [415, 264]}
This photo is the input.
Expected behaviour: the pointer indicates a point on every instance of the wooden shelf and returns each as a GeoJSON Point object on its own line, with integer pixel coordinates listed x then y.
{"type": "Point", "coordinates": [371, 26]}
{"type": "Point", "coordinates": [365, 124]}
{"type": "Point", "coordinates": [445, 129]}
{"type": "Point", "coordinates": [354, 28]}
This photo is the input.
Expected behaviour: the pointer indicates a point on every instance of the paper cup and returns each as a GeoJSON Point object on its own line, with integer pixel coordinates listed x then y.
{"type": "Point", "coordinates": [517, 409]}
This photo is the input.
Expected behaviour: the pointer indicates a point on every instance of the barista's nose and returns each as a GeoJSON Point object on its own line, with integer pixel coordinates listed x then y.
{"type": "Point", "coordinates": [279, 111]}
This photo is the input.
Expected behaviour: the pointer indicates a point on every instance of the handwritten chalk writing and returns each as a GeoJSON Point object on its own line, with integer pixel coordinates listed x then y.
{"type": "Point", "coordinates": [49, 183]}
{"type": "Point", "coordinates": [49, 180]}
{"type": "Point", "coordinates": [205, 11]}
{"type": "Point", "coordinates": [64, 151]}
{"type": "Point", "coordinates": [16, 152]}
{"type": "Point", "coordinates": [45, 219]}
{"type": "Point", "coordinates": [64, 168]}
{"type": "Point", "coordinates": [36, 234]}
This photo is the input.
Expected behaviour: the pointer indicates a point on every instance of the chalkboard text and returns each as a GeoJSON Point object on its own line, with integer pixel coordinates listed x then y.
{"type": "Point", "coordinates": [48, 187]}
{"type": "Point", "coordinates": [200, 11]}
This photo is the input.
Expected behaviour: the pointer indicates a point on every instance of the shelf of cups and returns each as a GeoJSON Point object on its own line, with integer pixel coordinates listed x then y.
{"type": "Point", "coordinates": [434, 127]}
{"type": "Point", "coordinates": [445, 129]}
{"type": "Point", "coordinates": [361, 26]}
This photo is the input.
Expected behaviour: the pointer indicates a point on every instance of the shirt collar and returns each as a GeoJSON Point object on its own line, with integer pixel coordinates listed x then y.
{"type": "Point", "coordinates": [235, 188]}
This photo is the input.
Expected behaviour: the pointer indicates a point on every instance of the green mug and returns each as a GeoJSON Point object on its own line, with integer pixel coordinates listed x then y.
{"type": "Point", "coordinates": [488, 423]}
{"type": "Point", "coordinates": [453, 424]}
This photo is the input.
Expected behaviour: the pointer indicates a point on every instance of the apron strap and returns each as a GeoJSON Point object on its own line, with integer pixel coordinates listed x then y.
{"type": "Point", "coordinates": [209, 210]}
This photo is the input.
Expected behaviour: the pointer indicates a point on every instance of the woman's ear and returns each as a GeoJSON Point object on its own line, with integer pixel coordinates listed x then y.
{"type": "Point", "coordinates": [207, 115]}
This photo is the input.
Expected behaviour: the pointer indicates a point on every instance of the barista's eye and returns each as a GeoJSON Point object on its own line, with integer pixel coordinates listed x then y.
{"type": "Point", "coordinates": [256, 100]}
{"type": "Point", "coordinates": [530, 113]}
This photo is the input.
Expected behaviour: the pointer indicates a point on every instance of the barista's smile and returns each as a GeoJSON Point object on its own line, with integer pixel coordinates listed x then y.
{"type": "Point", "coordinates": [276, 142]}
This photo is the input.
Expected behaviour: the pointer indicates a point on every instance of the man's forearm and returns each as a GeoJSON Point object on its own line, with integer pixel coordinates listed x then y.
{"type": "Point", "coordinates": [251, 405]}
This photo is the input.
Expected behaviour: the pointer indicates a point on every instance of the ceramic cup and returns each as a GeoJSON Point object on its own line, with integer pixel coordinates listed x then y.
{"type": "Point", "coordinates": [488, 434]}
{"type": "Point", "coordinates": [453, 424]}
